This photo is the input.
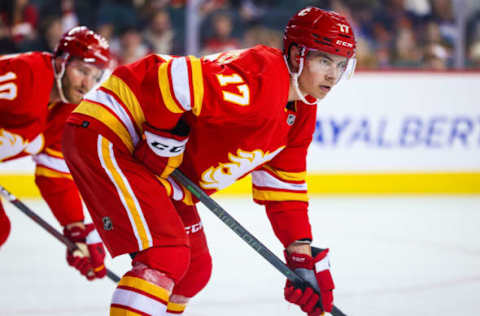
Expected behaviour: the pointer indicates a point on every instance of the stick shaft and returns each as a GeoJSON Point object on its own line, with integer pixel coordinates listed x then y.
{"type": "Point", "coordinates": [49, 228]}
{"type": "Point", "coordinates": [243, 233]}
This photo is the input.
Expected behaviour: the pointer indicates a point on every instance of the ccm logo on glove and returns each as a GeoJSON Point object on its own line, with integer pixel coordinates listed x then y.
{"type": "Point", "coordinates": [166, 146]}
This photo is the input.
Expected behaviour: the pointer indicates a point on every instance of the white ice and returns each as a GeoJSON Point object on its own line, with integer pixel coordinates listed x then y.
{"type": "Point", "coordinates": [390, 256]}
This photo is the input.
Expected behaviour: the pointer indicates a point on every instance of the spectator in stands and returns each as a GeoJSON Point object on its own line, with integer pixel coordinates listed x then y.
{"type": "Point", "coordinates": [51, 33]}
{"type": "Point", "coordinates": [20, 18]}
{"type": "Point", "coordinates": [159, 33]}
{"type": "Point", "coordinates": [474, 55]}
{"type": "Point", "coordinates": [262, 35]}
{"type": "Point", "coordinates": [407, 53]}
{"type": "Point", "coordinates": [6, 43]}
{"type": "Point", "coordinates": [443, 15]}
{"type": "Point", "coordinates": [366, 58]}
{"type": "Point", "coordinates": [69, 17]}
{"type": "Point", "coordinates": [435, 57]}
{"type": "Point", "coordinates": [222, 39]}
{"type": "Point", "coordinates": [132, 46]}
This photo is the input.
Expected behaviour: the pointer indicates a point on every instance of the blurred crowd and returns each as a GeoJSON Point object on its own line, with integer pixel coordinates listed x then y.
{"type": "Point", "coordinates": [391, 34]}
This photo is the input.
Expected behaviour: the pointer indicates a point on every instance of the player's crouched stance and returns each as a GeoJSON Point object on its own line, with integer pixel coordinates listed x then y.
{"type": "Point", "coordinates": [217, 119]}
{"type": "Point", "coordinates": [38, 91]}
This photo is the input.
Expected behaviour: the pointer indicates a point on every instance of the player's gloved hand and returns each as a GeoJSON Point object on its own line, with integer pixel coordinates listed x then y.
{"type": "Point", "coordinates": [315, 269]}
{"type": "Point", "coordinates": [162, 151]}
{"type": "Point", "coordinates": [88, 258]}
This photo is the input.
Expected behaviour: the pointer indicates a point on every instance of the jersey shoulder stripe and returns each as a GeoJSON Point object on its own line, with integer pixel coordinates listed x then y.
{"type": "Point", "coordinates": [104, 115]}
{"type": "Point", "coordinates": [118, 87]}
{"type": "Point", "coordinates": [181, 84]}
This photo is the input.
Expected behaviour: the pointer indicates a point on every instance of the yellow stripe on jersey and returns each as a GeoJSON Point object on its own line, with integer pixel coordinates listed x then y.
{"type": "Point", "coordinates": [198, 90]}
{"type": "Point", "coordinates": [49, 173]}
{"type": "Point", "coordinates": [54, 153]}
{"type": "Point", "coordinates": [128, 98]}
{"type": "Point", "coordinates": [270, 195]}
{"type": "Point", "coordinates": [145, 286]}
{"type": "Point", "coordinates": [126, 194]}
{"type": "Point", "coordinates": [176, 307]}
{"type": "Point", "coordinates": [118, 311]}
{"type": "Point", "coordinates": [287, 176]}
{"type": "Point", "coordinates": [172, 164]}
{"type": "Point", "coordinates": [106, 117]}
{"type": "Point", "coordinates": [165, 89]}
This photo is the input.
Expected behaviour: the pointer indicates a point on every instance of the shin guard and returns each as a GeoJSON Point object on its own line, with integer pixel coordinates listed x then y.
{"type": "Point", "coordinates": [141, 291]}
{"type": "Point", "coordinates": [146, 289]}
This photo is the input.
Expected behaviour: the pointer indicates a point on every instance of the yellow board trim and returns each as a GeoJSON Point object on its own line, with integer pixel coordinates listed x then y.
{"type": "Point", "coordinates": [128, 98]}
{"type": "Point", "coordinates": [49, 173]}
{"type": "Point", "coordinates": [379, 184]}
{"type": "Point", "coordinates": [198, 90]}
{"type": "Point", "coordinates": [164, 85]}
{"type": "Point", "coordinates": [117, 311]}
{"type": "Point", "coordinates": [147, 287]}
{"type": "Point", "coordinates": [23, 186]}
{"type": "Point", "coordinates": [131, 207]}
{"type": "Point", "coordinates": [100, 113]}
{"type": "Point", "coordinates": [54, 153]}
{"type": "Point", "coordinates": [287, 176]}
{"type": "Point", "coordinates": [396, 183]}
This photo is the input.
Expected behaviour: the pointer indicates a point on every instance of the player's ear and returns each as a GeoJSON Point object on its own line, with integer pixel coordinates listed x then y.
{"type": "Point", "coordinates": [294, 57]}
{"type": "Point", "coordinates": [58, 63]}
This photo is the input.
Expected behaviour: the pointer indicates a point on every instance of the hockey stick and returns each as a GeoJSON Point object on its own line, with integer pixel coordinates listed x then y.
{"type": "Point", "coordinates": [49, 228]}
{"type": "Point", "coordinates": [246, 235]}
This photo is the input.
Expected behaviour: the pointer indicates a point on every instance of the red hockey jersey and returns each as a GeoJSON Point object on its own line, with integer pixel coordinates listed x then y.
{"type": "Point", "coordinates": [235, 104]}
{"type": "Point", "coordinates": [30, 126]}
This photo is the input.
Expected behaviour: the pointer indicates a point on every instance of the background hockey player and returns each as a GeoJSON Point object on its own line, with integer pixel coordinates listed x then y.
{"type": "Point", "coordinates": [38, 91]}
{"type": "Point", "coordinates": [217, 119]}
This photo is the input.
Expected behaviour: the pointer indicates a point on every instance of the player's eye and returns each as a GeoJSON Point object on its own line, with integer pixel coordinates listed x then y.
{"type": "Point", "coordinates": [325, 61]}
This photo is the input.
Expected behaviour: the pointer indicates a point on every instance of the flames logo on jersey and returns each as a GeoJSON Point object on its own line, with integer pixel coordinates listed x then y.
{"type": "Point", "coordinates": [10, 144]}
{"type": "Point", "coordinates": [227, 173]}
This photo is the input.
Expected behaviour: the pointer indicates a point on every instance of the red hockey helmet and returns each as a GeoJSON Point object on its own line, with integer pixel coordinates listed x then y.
{"type": "Point", "coordinates": [85, 44]}
{"type": "Point", "coordinates": [317, 29]}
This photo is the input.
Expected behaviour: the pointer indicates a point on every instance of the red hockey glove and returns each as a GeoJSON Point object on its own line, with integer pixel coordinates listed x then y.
{"type": "Point", "coordinates": [88, 258]}
{"type": "Point", "coordinates": [317, 271]}
{"type": "Point", "coordinates": [161, 151]}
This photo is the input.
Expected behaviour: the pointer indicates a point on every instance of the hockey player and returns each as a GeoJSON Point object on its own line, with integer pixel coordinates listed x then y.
{"type": "Point", "coordinates": [38, 91]}
{"type": "Point", "coordinates": [217, 119]}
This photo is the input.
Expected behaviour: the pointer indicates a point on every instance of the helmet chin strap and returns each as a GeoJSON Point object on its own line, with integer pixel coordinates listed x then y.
{"type": "Point", "coordinates": [59, 76]}
{"type": "Point", "coordinates": [297, 74]}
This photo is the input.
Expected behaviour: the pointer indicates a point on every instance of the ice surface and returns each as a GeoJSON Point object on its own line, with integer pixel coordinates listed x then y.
{"type": "Point", "coordinates": [390, 256]}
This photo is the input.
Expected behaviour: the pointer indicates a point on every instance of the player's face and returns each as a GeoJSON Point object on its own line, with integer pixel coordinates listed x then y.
{"type": "Point", "coordinates": [79, 78]}
{"type": "Point", "coordinates": [321, 72]}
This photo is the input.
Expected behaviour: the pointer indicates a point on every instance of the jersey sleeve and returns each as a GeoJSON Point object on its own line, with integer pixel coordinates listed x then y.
{"type": "Point", "coordinates": [19, 114]}
{"type": "Point", "coordinates": [281, 185]}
